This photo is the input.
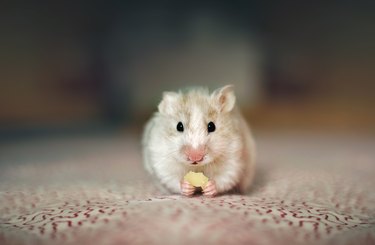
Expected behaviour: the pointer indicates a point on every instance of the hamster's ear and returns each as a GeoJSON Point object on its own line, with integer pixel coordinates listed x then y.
{"type": "Point", "coordinates": [224, 98]}
{"type": "Point", "coordinates": [167, 104]}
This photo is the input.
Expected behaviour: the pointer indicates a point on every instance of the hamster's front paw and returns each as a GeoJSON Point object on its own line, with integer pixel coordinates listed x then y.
{"type": "Point", "coordinates": [210, 189]}
{"type": "Point", "coordinates": [187, 189]}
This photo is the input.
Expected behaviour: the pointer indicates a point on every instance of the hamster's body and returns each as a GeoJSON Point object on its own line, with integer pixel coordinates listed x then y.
{"type": "Point", "coordinates": [200, 132]}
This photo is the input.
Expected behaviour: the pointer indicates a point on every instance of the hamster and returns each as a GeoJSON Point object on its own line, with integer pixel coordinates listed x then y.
{"type": "Point", "coordinates": [202, 132]}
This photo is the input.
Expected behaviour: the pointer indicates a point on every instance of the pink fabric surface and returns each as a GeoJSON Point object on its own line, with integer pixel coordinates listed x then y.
{"type": "Point", "coordinates": [309, 189]}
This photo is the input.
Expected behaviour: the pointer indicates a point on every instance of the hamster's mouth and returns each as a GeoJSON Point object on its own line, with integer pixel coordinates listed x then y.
{"type": "Point", "coordinates": [200, 163]}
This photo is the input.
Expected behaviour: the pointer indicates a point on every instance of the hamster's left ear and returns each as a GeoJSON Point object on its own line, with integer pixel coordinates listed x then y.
{"type": "Point", "coordinates": [168, 103]}
{"type": "Point", "coordinates": [224, 98]}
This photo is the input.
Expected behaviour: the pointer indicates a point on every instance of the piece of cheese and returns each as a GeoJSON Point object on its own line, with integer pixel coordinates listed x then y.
{"type": "Point", "coordinates": [196, 179]}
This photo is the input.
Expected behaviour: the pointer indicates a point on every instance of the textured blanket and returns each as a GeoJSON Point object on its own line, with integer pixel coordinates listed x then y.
{"type": "Point", "coordinates": [309, 189]}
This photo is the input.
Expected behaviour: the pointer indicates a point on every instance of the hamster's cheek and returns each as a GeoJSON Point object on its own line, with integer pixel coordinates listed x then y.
{"type": "Point", "coordinates": [208, 158]}
{"type": "Point", "coordinates": [180, 156]}
{"type": "Point", "coordinates": [216, 142]}
{"type": "Point", "coordinates": [217, 152]}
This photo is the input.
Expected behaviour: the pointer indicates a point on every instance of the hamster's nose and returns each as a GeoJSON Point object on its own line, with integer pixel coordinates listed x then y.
{"type": "Point", "coordinates": [195, 154]}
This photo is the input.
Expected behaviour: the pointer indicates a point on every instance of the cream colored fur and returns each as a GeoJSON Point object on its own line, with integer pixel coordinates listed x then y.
{"type": "Point", "coordinates": [230, 158]}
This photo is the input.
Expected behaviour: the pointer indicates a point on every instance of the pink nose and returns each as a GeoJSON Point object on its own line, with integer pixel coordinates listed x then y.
{"type": "Point", "coordinates": [195, 154]}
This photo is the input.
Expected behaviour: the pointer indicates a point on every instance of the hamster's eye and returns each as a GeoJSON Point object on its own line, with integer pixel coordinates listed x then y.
{"type": "Point", "coordinates": [211, 127]}
{"type": "Point", "coordinates": [180, 127]}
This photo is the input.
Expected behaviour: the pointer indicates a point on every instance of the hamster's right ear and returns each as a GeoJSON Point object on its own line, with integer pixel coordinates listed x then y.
{"type": "Point", "coordinates": [224, 98]}
{"type": "Point", "coordinates": [167, 104]}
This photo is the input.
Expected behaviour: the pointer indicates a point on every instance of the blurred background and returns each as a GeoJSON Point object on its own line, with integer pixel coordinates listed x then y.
{"type": "Point", "coordinates": [84, 66]}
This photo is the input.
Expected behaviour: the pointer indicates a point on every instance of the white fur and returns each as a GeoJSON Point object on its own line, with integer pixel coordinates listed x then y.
{"type": "Point", "coordinates": [230, 155]}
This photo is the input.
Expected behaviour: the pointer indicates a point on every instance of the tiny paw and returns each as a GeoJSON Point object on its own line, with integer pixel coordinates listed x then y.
{"type": "Point", "coordinates": [187, 189]}
{"type": "Point", "coordinates": [210, 189]}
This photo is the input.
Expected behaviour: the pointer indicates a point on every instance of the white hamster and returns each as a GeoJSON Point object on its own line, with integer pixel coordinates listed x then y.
{"type": "Point", "coordinates": [201, 132]}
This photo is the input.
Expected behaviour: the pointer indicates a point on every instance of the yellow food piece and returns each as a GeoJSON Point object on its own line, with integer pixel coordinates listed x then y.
{"type": "Point", "coordinates": [196, 179]}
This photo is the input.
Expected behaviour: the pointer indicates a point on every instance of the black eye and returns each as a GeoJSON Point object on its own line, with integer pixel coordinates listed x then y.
{"type": "Point", "coordinates": [180, 127]}
{"type": "Point", "coordinates": [211, 127]}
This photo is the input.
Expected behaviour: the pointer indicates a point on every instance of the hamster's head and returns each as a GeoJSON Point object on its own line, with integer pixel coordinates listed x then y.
{"type": "Point", "coordinates": [200, 128]}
